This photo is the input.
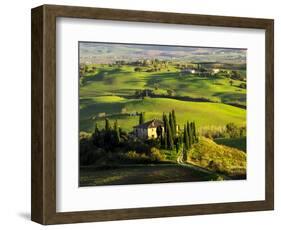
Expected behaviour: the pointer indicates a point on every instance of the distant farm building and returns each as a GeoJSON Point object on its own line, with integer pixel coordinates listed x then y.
{"type": "Point", "coordinates": [149, 130]}
{"type": "Point", "coordinates": [188, 70]}
{"type": "Point", "coordinates": [101, 114]}
{"type": "Point", "coordinates": [215, 71]}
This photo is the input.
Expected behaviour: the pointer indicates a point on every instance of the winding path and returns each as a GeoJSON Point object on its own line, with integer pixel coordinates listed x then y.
{"type": "Point", "coordinates": [195, 167]}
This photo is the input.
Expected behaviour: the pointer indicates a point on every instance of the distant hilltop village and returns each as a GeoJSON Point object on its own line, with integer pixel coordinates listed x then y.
{"type": "Point", "coordinates": [109, 53]}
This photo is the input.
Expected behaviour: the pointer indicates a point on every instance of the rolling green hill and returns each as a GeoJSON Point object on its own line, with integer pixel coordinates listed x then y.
{"type": "Point", "coordinates": [109, 90]}
{"type": "Point", "coordinates": [203, 113]}
{"type": "Point", "coordinates": [124, 81]}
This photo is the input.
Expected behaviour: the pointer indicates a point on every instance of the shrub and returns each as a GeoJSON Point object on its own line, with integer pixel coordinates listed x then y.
{"type": "Point", "coordinates": [137, 69]}
{"type": "Point", "coordinates": [155, 155]}
{"type": "Point", "coordinates": [170, 92]}
{"type": "Point", "coordinates": [232, 130]}
{"type": "Point", "coordinates": [89, 153]}
{"type": "Point", "coordinates": [84, 135]}
{"type": "Point", "coordinates": [235, 75]}
{"type": "Point", "coordinates": [134, 157]}
{"type": "Point", "coordinates": [213, 132]}
{"type": "Point", "coordinates": [243, 86]}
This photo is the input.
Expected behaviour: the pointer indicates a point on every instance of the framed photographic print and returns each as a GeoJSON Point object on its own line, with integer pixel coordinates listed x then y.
{"type": "Point", "coordinates": [141, 114]}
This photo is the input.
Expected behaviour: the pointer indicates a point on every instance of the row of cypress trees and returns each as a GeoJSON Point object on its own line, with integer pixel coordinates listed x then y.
{"type": "Point", "coordinates": [189, 134]}
{"type": "Point", "coordinates": [110, 135]}
{"type": "Point", "coordinates": [189, 137]}
{"type": "Point", "coordinates": [169, 137]}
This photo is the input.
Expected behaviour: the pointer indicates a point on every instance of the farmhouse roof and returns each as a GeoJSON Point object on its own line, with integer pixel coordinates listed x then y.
{"type": "Point", "coordinates": [150, 124]}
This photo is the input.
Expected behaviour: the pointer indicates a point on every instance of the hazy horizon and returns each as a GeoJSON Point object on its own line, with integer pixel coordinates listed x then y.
{"type": "Point", "coordinates": [97, 52]}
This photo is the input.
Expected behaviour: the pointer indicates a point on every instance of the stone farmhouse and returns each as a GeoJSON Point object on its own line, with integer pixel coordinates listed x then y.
{"type": "Point", "coordinates": [149, 130]}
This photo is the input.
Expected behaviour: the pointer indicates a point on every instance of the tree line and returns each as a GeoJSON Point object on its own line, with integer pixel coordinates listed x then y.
{"type": "Point", "coordinates": [169, 137]}
{"type": "Point", "coordinates": [109, 136]}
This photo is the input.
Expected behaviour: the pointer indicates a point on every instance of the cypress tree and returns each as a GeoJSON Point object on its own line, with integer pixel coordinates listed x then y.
{"type": "Point", "coordinates": [186, 138]}
{"type": "Point", "coordinates": [193, 136]}
{"type": "Point", "coordinates": [184, 134]}
{"type": "Point", "coordinates": [159, 132]}
{"type": "Point", "coordinates": [142, 118]}
{"type": "Point", "coordinates": [184, 154]}
{"type": "Point", "coordinates": [118, 136]}
{"type": "Point", "coordinates": [117, 132]}
{"type": "Point", "coordinates": [107, 124]}
{"type": "Point", "coordinates": [195, 133]}
{"type": "Point", "coordinates": [170, 120]}
{"type": "Point", "coordinates": [171, 123]}
{"type": "Point", "coordinates": [165, 121]}
{"type": "Point", "coordinates": [177, 147]}
{"type": "Point", "coordinates": [174, 121]}
{"type": "Point", "coordinates": [180, 139]}
{"type": "Point", "coordinates": [187, 129]}
{"type": "Point", "coordinates": [170, 137]}
{"type": "Point", "coordinates": [161, 139]}
{"type": "Point", "coordinates": [107, 135]}
{"type": "Point", "coordinates": [115, 125]}
{"type": "Point", "coordinates": [165, 141]}
{"type": "Point", "coordinates": [96, 129]}
{"type": "Point", "coordinates": [189, 133]}
{"type": "Point", "coordinates": [95, 134]}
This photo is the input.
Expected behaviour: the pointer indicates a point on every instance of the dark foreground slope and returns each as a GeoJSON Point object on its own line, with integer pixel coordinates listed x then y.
{"type": "Point", "coordinates": [142, 174]}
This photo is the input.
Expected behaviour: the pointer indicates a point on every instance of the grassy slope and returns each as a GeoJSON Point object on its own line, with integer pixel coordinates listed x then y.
{"type": "Point", "coordinates": [141, 174]}
{"type": "Point", "coordinates": [124, 81]}
{"type": "Point", "coordinates": [239, 143]}
{"type": "Point", "coordinates": [210, 155]}
{"type": "Point", "coordinates": [204, 113]}
{"type": "Point", "coordinates": [103, 91]}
